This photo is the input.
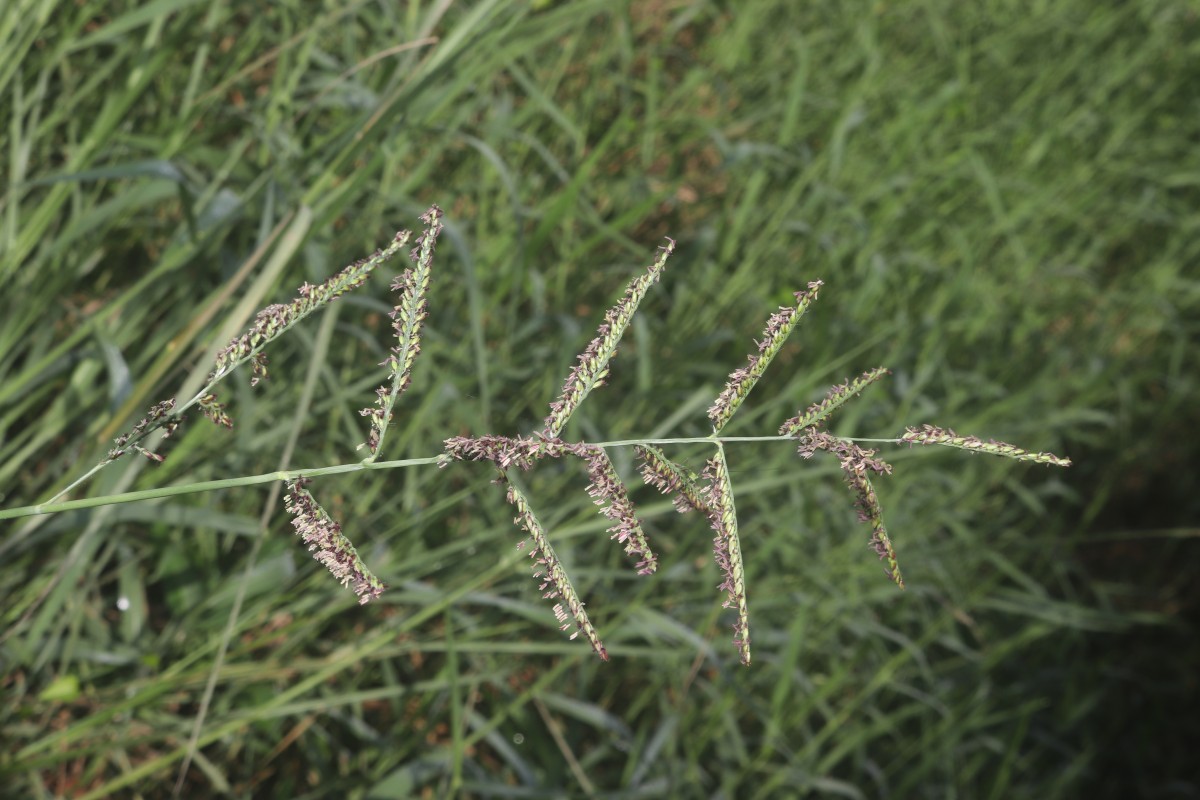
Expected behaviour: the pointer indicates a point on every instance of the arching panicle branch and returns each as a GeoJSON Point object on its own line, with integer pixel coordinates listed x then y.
{"type": "Point", "coordinates": [856, 462]}
{"type": "Point", "coordinates": [838, 395]}
{"type": "Point", "coordinates": [548, 569]}
{"type": "Point", "coordinates": [671, 478]}
{"type": "Point", "coordinates": [592, 368]}
{"type": "Point", "coordinates": [928, 434]}
{"type": "Point", "coordinates": [327, 543]}
{"type": "Point", "coordinates": [269, 324]}
{"type": "Point", "coordinates": [742, 380]}
{"type": "Point", "coordinates": [609, 493]}
{"type": "Point", "coordinates": [727, 549]}
{"type": "Point", "coordinates": [407, 316]}
{"type": "Point", "coordinates": [273, 320]}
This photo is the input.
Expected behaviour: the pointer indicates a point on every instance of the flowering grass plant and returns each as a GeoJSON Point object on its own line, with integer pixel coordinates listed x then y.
{"type": "Point", "coordinates": [710, 492]}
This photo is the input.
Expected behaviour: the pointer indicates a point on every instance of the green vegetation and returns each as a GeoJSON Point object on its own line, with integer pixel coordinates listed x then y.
{"type": "Point", "coordinates": [1003, 205]}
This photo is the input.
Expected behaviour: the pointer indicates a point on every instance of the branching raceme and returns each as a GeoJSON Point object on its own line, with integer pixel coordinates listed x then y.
{"type": "Point", "coordinates": [709, 493]}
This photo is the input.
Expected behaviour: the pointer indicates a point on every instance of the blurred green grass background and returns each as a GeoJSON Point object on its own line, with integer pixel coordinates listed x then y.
{"type": "Point", "coordinates": [1003, 200]}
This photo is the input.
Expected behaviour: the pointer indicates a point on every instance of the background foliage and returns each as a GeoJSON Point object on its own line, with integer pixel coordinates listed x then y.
{"type": "Point", "coordinates": [1003, 200]}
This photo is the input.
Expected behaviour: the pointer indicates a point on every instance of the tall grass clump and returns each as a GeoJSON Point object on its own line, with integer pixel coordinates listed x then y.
{"type": "Point", "coordinates": [710, 493]}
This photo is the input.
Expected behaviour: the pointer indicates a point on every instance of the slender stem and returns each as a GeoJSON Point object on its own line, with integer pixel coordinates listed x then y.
{"type": "Point", "coordinates": [51, 507]}
{"type": "Point", "coordinates": [208, 486]}
{"type": "Point", "coordinates": [81, 479]}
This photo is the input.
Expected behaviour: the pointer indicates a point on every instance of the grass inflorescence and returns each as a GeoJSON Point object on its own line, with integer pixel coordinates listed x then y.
{"type": "Point", "coordinates": [999, 198]}
{"type": "Point", "coordinates": [711, 491]}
